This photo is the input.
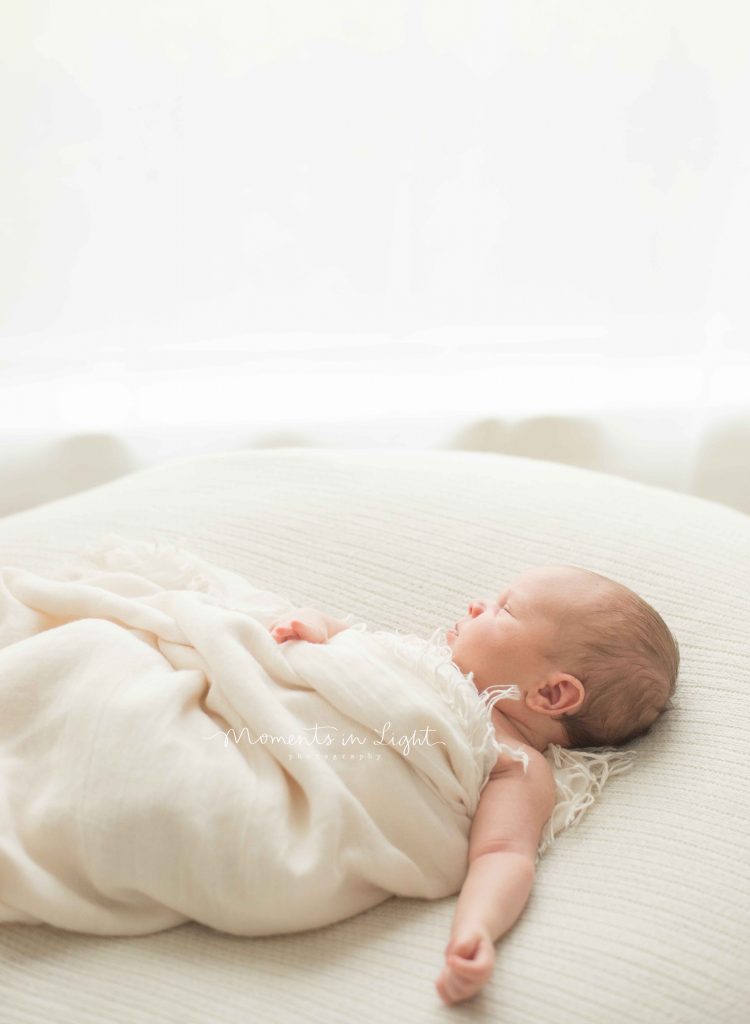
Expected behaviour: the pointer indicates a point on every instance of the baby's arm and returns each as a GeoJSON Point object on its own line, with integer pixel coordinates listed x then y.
{"type": "Point", "coordinates": [513, 809]}
{"type": "Point", "coordinates": [306, 624]}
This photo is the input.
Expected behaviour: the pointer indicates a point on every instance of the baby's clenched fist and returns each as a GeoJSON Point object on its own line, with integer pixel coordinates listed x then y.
{"type": "Point", "coordinates": [469, 962]}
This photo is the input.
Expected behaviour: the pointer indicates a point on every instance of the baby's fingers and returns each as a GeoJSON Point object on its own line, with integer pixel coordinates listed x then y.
{"type": "Point", "coordinates": [482, 960]}
{"type": "Point", "coordinates": [452, 988]}
{"type": "Point", "coordinates": [309, 631]}
{"type": "Point", "coordinates": [283, 631]}
{"type": "Point", "coordinates": [298, 629]}
{"type": "Point", "coordinates": [479, 969]}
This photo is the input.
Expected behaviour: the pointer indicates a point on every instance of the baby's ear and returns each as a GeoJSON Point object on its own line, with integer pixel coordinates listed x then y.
{"type": "Point", "coordinates": [566, 693]}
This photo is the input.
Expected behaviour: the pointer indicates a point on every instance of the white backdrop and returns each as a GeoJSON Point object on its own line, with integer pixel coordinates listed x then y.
{"type": "Point", "coordinates": [244, 214]}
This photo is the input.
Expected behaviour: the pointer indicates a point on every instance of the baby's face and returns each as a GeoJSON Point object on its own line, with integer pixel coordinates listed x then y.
{"type": "Point", "coordinates": [503, 640]}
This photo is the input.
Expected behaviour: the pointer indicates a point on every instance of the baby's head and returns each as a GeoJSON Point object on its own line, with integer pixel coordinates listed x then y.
{"type": "Point", "coordinates": [596, 664]}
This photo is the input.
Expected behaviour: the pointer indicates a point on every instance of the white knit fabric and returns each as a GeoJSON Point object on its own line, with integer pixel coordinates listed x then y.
{"type": "Point", "coordinates": [640, 914]}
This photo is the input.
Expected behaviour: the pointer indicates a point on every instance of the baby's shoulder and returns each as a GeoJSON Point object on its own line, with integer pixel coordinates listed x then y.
{"type": "Point", "coordinates": [533, 776]}
{"type": "Point", "coordinates": [533, 760]}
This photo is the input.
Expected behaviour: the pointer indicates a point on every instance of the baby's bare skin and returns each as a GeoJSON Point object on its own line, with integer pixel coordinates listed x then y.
{"type": "Point", "coordinates": [502, 643]}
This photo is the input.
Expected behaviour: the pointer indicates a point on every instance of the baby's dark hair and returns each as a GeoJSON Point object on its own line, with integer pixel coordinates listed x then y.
{"type": "Point", "coordinates": [625, 655]}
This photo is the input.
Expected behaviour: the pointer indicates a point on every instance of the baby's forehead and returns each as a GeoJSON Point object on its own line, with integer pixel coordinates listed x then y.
{"type": "Point", "coordinates": [544, 578]}
{"type": "Point", "coordinates": [557, 591]}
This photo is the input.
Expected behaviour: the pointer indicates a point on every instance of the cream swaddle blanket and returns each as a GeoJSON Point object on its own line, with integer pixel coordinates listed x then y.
{"type": "Point", "coordinates": [165, 760]}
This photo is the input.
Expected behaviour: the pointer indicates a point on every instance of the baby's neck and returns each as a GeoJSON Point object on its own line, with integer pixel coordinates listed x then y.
{"type": "Point", "coordinates": [536, 731]}
{"type": "Point", "coordinates": [514, 729]}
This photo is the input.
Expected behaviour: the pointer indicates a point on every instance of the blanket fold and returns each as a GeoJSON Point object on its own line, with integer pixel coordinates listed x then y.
{"type": "Point", "coordinates": [166, 760]}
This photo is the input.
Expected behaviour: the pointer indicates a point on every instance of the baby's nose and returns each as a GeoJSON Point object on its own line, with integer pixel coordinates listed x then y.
{"type": "Point", "coordinates": [477, 607]}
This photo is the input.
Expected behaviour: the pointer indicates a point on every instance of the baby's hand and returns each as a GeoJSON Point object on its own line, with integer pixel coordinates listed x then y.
{"type": "Point", "coordinates": [303, 624]}
{"type": "Point", "coordinates": [469, 962]}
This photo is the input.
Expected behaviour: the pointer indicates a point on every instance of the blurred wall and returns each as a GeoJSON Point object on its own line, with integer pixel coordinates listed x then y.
{"type": "Point", "coordinates": [255, 217]}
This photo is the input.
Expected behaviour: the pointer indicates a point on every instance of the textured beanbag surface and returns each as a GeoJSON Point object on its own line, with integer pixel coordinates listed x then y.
{"type": "Point", "coordinates": [639, 913]}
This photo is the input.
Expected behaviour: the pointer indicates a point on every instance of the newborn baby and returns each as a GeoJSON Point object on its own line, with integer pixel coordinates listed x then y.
{"type": "Point", "coordinates": [595, 665]}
